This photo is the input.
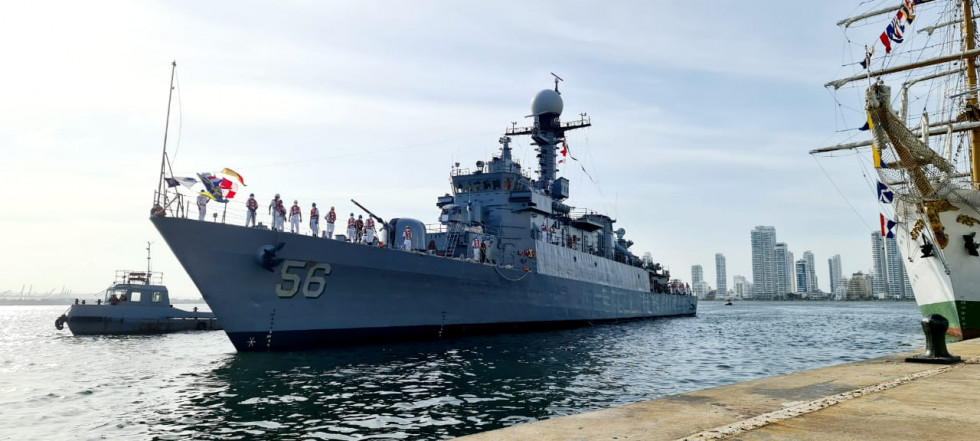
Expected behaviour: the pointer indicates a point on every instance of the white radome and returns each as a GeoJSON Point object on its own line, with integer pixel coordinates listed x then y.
{"type": "Point", "coordinates": [547, 101]}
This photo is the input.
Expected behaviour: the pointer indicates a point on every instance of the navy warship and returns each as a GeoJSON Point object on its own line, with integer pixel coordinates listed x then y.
{"type": "Point", "coordinates": [508, 255]}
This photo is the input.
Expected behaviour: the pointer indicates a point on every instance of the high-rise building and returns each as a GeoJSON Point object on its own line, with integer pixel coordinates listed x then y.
{"type": "Point", "coordinates": [698, 285]}
{"type": "Point", "coordinates": [721, 276]}
{"type": "Point", "coordinates": [879, 285]}
{"type": "Point", "coordinates": [811, 276]}
{"type": "Point", "coordinates": [763, 262]}
{"type": "Point", "coordinates": [783, 263]}
{"type": "Point", "coordinates": [802, 284]}
{"type": "Point", "coordinates": [743, 288]}
{"type": "Point", "coordinates": [896, 270]}
{"type": "Point", "coordinates": [835, 272]}
{"type": "Point", "coordinates": [857, 287]}
{"type": "Point", "coordinates": [790, 260]}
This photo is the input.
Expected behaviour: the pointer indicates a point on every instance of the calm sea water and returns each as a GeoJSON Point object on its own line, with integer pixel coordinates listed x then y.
{"type": "Point", "coordinates": [194, 385]}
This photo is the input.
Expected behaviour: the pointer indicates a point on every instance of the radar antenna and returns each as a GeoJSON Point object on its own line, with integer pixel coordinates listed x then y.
{"type": "Point", "coordinates": [557, 79]}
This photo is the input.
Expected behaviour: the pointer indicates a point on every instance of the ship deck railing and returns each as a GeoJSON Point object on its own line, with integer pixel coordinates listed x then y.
{"type": "Point", "coordinates": [134, 277]}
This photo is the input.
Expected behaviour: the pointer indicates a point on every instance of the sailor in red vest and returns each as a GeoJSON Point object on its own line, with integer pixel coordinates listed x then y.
{"type": "Point", "coordinates": [408, 238]}
{"type": "Point", "coordinates": [476, 248]}
{"type": "Point", "coordinates": [251, 206]}
{"type": "Point", "coordinates": [202, 205]}
{"type": "Point", "coordinates": [331, 218]}
{"type": "Point", "coordinates": [274, 211]}
{"type": "Point", "coordinates": [350, 228]}
{"type": "Point", "coordinates": [369, 231]}
{"type": "Point", "coordinates": [315, 220]}
{"type": "Point", "coordinates": [295, 217]}
{"type": "Point", "coordinates": [358, 229]}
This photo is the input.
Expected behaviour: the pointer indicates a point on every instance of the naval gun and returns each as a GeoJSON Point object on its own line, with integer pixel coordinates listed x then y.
{"type": "Point", "coordinates": [373, 216]}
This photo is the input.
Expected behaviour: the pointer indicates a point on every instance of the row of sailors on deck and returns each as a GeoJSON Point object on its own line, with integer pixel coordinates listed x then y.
{"type": "Point", "coordinates": [357, 229]}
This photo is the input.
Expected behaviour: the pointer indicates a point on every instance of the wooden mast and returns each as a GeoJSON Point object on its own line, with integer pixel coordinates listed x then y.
{"type": "Point", "coordinates": [971, 85]}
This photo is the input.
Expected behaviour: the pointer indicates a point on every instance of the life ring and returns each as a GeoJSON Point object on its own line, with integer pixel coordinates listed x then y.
{"type": "Point", "coordinates": [60, 322]}
{"type": "Point", "coordinates": [530, 253]}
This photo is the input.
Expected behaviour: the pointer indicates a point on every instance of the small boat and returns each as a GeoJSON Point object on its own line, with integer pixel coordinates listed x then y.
{"type": "Point", "coordinates": [136, 303]}
{"type": "Point", "coordinates": [728, 303]}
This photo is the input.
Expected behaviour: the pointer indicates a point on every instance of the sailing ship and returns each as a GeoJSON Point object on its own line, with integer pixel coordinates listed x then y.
{"type": "Point", "coordinates": [507, 255]}
{"type": "Point", "coordinates": [928, 164]}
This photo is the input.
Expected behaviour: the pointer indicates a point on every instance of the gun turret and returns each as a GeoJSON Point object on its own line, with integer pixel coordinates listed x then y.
{"type": "Point", "coordinates": [380, 220]}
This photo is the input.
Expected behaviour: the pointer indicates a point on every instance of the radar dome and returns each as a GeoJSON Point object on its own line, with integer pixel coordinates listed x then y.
{"type": "Point", "coordinates": [547, 101]}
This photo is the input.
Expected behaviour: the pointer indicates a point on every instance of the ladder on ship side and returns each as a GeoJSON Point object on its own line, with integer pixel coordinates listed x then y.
{"type": "Point", "coordinates": [451, 240]}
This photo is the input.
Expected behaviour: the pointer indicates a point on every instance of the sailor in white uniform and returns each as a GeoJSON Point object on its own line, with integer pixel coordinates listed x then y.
{"type": "Point", "coordinates": [202, 205]}
{"type": "Point", "coordinates": [251, 205]}
{"type": "Point", "coordinates": [331, 219]}
{"type": "Point", "coordinates": [369, 231]}
{"type": "Point", "coordinates": [315, 220]}
{"type": "Point", "coordinates": [407, 235]}
{"type": "Point", "coordinates": [476, 248]}
{"type": "Point", "coordinates": [351, 229]}
{"type": "Point", "coordinates": [274, 211]}
{"type": "Point", "coordinates": [295, 217]}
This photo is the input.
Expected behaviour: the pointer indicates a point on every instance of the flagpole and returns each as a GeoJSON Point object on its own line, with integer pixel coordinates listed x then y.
{"type": "Point", "coordinates": [166, 128]}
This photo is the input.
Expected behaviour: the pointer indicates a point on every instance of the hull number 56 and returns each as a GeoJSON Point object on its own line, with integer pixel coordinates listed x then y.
{"type": "Point", "coordinates": [296, 277]}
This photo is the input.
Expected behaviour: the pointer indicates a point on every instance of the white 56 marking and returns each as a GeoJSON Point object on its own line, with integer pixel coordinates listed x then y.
{"type": "Point", "coordinates": [290, 281]}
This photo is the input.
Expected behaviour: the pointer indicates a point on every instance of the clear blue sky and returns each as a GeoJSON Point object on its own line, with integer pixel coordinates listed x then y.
{"type": "Point", "coordinates": [703, 113]}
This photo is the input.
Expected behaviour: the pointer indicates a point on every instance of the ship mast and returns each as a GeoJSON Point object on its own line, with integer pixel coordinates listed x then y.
{"type": "Point", "coordinates": [166, 128]}
{"type": "Point", "coordinates": [548, 131]}
{"type": "Point", "coordinates": [971, 85]}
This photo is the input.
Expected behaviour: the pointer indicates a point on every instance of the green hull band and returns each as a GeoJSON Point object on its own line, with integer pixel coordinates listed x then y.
{"type": "Point", "coordinates": [963, 316]}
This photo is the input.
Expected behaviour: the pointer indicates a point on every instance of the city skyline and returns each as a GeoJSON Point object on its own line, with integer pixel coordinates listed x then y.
{"type": "Point", "coordinates": [884, 258]}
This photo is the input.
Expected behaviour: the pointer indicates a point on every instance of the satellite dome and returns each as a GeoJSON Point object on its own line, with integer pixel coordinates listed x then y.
{"type": "Point", "coordinates": [547, 101]}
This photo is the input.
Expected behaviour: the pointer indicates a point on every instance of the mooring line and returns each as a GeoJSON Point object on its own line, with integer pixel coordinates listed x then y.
{"type": "Point", "coordinates": [794, 411]}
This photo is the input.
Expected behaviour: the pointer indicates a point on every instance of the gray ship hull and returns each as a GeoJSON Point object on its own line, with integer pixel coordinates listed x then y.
{"type": "Point", "coordinates": [327, 292]}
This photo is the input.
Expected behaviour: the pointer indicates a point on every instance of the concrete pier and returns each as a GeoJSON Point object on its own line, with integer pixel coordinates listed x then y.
{"type": "Point", "coordinates": [879, 399]}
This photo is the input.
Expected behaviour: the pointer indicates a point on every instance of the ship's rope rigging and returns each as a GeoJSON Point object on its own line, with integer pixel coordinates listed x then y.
{"type": "Point", "coordinates": [841, 193]}
{"type": "Point", "coordinates": [518, 279]}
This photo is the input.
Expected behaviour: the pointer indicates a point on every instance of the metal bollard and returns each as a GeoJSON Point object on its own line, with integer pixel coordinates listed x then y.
{"type": "Point", "coordinates": [935, 326]}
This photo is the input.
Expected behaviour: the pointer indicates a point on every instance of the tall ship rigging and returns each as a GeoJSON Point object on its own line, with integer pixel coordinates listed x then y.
{"type": "Point", "coordinates": [508, 254]}
{"type": "Point", "coordinates": [921, 54]}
